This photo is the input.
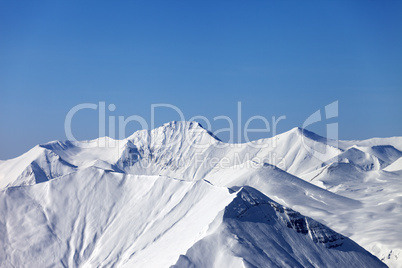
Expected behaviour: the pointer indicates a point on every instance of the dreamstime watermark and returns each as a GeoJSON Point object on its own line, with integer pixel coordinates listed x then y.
{"type": "Point", "coordinates": [189, 133]}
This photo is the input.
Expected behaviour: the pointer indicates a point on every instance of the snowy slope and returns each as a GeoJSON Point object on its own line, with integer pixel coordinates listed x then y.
{"type": "Point", "coordinates": [98, 218]}
{"type": "Point", "coordinates": [353, 188]}
{"type": "Point", "coordinates": [255, 231]}
{"type": "Point", "coordinates": [395, 166]}
{"type": "Point", "coordinates": [369, 174]}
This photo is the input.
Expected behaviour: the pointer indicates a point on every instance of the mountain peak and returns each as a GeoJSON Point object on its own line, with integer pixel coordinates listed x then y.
{"type": "Point", "coordinates": [180, 130]}
{"type": "Point", "coordinates": [258, 232]}
{"type": "Point", "coordinates": [306, 134]}
{"type": "Point", "coordinates": [182, 125]}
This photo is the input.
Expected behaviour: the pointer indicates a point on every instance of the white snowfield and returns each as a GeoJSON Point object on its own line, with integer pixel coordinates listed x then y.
{"type": "Point", "coordinates": [177, 196]}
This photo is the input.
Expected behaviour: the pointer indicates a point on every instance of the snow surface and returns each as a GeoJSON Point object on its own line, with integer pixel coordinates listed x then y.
{"type": "Point", "coordinates": [395, 166]}
{"type": "Point", "coordinates": [255, 231]}
{"type": "Point", "coordinates": [160, 194]}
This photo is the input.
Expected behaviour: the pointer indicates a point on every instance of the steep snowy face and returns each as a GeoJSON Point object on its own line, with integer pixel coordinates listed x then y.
{"type": "Point", "coordinates": [100, 218]}
{"type": "Point", "coordinates": [395, 166]}
{"type": "Point", "coordinates": [252, 205]}
{"type": "Point", "coordinates": [173, 149]}
{"type": "Point", "coordinates": [36, 166]}
{"type": "Point", "coordinates": [257, 232]}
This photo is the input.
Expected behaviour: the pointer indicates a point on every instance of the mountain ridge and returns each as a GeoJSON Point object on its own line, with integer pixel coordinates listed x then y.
{"type": "Point", "coordinates": [341, 187]}
{"type": "Point", "coordinates": [251, 215]}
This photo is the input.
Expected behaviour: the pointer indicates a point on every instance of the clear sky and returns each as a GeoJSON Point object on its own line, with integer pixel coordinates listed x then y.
{"type": "Point", "coordinates": [276, 57]}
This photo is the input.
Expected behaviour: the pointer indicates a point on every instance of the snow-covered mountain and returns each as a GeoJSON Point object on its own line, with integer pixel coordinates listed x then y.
{"type": "Point", "coordinates": [255, 231]}
{"type": "Point", "coordinates": [177, 195]}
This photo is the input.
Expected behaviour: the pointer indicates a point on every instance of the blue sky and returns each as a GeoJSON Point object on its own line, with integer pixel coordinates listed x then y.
{"type": "Point", "coordinates": [276, 57]}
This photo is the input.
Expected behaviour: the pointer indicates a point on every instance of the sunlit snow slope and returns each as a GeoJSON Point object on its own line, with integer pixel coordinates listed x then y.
{"type": "Point", "coordinates": [177, 195]}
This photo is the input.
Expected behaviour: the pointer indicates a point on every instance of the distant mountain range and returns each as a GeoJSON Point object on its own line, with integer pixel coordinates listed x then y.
{"type": "Point", "coordinates": [178, 196]}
